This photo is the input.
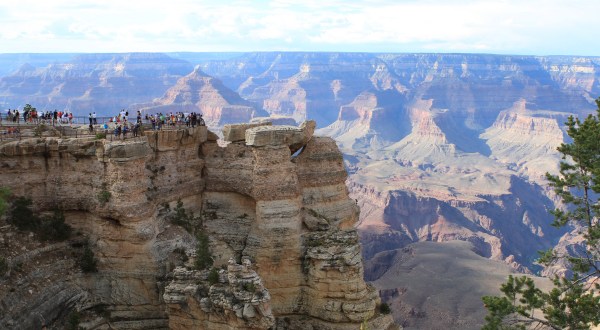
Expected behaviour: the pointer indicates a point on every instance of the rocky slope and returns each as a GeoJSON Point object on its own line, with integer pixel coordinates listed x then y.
{"type": "Point", "coordinates": [439, 285]}
{"type": "Point", "coordinates": [279, 227]}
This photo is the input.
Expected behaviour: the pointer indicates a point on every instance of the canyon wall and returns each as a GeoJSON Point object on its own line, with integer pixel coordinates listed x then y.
{"type": "Point", "coordinates": [280, 231]}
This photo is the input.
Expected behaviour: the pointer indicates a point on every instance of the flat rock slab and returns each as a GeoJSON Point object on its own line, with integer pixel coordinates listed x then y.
{"type": "Point", "coordinates": [274, 136]}
{"type": "Point", "coordinates": [274, 120]}
{"type": "Point", "coordinates": [292, 136]}
{"type": "Point", "coordinates": [237, 132]}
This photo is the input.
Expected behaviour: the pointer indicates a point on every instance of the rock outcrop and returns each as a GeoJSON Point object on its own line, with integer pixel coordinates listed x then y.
{"type": "Point", "coordinates": [238, 300]}
{"type": "Point", "coordinates": [286, 218]}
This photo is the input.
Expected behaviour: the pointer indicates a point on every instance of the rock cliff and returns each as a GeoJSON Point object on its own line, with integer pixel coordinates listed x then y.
{"type": "Point", "coordinates": [280, 229]}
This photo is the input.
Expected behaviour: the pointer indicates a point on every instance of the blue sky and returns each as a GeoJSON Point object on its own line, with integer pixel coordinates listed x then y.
{"type": "Point", "coordinates": [532, 27]}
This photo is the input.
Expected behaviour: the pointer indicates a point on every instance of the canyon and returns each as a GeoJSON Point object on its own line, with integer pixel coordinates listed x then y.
{"type": "Point", "coordinates": [438, 147]}
{"type": "Point", "coordinates": [280, 231]}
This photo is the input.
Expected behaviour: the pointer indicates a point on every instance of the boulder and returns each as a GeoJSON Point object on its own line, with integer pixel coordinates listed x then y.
{"type": "Point", "coordinates": [237, 132]}
{"type": "Point", "coordinates": [291, 136]}
{"type": "Point", "coordinates": [274, 120]}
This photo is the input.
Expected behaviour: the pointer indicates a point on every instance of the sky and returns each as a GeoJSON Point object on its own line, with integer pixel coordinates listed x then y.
{"type": "Point", "coordinates": [528, 27]}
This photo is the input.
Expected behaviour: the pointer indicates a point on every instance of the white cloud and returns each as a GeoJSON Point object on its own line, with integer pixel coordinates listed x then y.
{"type": "Point", "coordinates": [502, 26]}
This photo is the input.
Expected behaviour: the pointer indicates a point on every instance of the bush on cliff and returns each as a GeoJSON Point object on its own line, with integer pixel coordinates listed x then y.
{"type": "Point", "coordinates": [3, 266]}
{"type": "Point", "coordinates": [51, 228]}
{"type": "Point", "coordinates": [54, 228]}
{"type": "Point", "coordinates": [184, 219]}
{"type": "Point", "coordinates": [181, 217]}
{"type": "Point", "coordinates": [203, 257]}
{"type": "Point", "coordinates": [4, 195]}
{"type": "Point", "coordinates": [88, 262]}
{"type": "Point", "coordinates": [104, 196]}
{"type": "Point", "coordinates": [384, 308]}
{"type": "Point", "coordinates": [21, 215]}
{"type": "Point", "coordinates": [213, 276]}
{"type": "Point", "coordinates": [73, 321]}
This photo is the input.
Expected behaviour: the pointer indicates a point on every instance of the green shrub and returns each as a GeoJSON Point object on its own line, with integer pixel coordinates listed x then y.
{"type": "Point", "coordinates": [249, 286]}
{"type": "Point", "coordinates": [181, 218]}
{"type": "Point", "coordinates": [100, 136]}
{"type": "Point", "coordinates": [4, 195]}
{"type": "Point", "coordinates": [213, 276]}
{"type": "Point", "coordinates": [54, 228]}
{"type": "Point", "coordinates": [22, 216]}
{"type": "Point", "coordinates": [384, 308]}
{"type": "Point", "coordinates": [184, 219]}
{"type": "Point", "coordinates": [104, 196]}
{"type": "Point", "coordinates": [73, 321]}
{"type": "Point", "coordinates": [88, 262]}
{"type": "Point", "coordinates": [3, 266]}
{"type": "Point", "coordinates": [203, 257]}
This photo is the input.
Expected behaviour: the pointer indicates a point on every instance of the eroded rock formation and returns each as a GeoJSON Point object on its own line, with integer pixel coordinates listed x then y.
{"type": "Point", "coordinates": [200, 93]}
{"type": "Point", "coordinates": [280, 226]}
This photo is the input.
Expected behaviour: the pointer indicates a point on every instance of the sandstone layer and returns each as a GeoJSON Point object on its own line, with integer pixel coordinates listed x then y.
{"type": "Point", "coordinates": [281, 226]}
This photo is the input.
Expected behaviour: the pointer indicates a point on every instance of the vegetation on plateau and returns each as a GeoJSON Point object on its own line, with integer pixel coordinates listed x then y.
{"type": "Point", "coordinates": [574, 301]}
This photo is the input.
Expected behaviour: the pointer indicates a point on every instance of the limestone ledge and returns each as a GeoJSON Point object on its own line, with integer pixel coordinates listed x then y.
{"type": "Point", "coordinates": [237, 132]}
{"type": "Point", "coordinates": [238, 299]}
{"type": "Point", "coordinates": [292, 136]}
{"type": "Point", "coordinates": [107, 149]}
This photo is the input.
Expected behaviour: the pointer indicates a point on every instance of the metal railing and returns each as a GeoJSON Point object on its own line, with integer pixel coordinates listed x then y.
{"type": "Point", "coordinates": [75, 120]}
{"type": "Point", "coordinates": [14, 128]}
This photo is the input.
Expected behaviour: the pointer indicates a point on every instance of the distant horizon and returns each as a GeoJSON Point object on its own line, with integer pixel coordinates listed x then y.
{"type": "Point", "coordinates": [299, 51]}
{"type": "Point", "coordinates": [503, 27]}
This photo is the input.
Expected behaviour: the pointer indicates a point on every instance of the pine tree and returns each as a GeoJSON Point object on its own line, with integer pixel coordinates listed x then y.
{"type": "Point", "coordinates": [574, 302]}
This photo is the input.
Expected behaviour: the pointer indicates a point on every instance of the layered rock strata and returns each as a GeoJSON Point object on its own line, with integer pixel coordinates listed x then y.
{"type": "Point", "coordinates": [129, 236]}
{"type": "Point", "coordinates": [287, 219]}
{"type": "Point", "coordinates": [238, 299]}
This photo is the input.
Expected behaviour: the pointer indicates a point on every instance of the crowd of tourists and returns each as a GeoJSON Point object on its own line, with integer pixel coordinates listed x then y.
{"type": "Point", "coordinates": [31, 115]}
{"type": "Point", "coordinates": [159, 120]}
{"type": "Point", "coordinates": [119, 125]}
